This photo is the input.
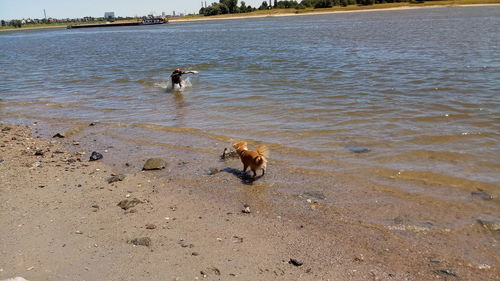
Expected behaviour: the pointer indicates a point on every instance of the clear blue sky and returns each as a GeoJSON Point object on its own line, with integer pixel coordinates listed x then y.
{"type": "Point", "coordinates": [18, 9]}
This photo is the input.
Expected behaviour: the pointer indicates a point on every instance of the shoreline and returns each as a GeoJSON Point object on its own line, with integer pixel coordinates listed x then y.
{"type": "Point", "coordinates": [211, 18]}
{"type": "Point", "coordinates": [330, 12]}
{"type": "Point", "coordinates": [67, 223]}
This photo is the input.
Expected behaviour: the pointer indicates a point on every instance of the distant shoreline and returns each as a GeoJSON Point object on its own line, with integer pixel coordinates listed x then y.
{"type": "Point", "coordinates": [374, 8]}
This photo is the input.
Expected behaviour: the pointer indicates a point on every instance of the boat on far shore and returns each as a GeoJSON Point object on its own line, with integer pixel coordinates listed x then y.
{"type": "Point", "coordinates": [149, 21]}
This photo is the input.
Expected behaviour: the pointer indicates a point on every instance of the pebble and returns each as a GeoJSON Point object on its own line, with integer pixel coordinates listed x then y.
{"type": "Point", "coordinates": [445, 272]}
{"type": "Point", "coordinates": [357, 149]}
{"type": "Point", "coordinates": [490, 225]}
{"type": "Point", "coordinates": [246, 209]}
{"type": "Point", "coordinates": [295, 262]}
{"type": "Point", "coordinates": [154, 164]}
{"type": "Point", "coordinates": [150, 226]}
{"type": "Point", "coordinates": [143, 241]}
{"type": "Point", "coordinates": [116, 178]}
{"type": "Point", "coordinates": [95, 156]}
{"type": "Point", "coordinates": [127, 204]}
{"type": "Point", "coordinates": [39, 152]}
{"type": "Point", "coordinates": [213, 171]}
{"type": "Point", "coordinates": [482, 194]}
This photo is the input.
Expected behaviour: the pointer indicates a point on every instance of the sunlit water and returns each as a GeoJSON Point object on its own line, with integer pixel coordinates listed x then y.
{"type": "Point", "coordinates": [416, 91]}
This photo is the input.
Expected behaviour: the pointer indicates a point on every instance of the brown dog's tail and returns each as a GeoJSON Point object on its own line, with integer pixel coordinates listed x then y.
{"type": "Point", "coordinates": [263, 151]}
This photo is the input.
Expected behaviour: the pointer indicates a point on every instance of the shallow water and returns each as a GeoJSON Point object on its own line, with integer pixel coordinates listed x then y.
{"type": "Point", "coordinates": [406, 100]}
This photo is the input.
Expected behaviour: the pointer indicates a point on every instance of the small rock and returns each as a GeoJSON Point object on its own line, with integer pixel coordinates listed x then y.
{"type": "Point", "coordinates": [155, 164]}
{"type": "Point", "coordinates": [195, 254]}
{"type": "Point", "coordinates": [16, 278]}
{"type": "Point", "coordinates": [67, 133]}
{"type": "Point", "coordinates": [39, 152]}
{"type": "Point", "coordinates": [95, 206]}
{"type": "Point", "coordinates": [213, 171]}
{"type": "Point", "coordinates": [95, 156]}
{"type": "Point", "coordinates": [127, 204]}
{"type": "Point", "coordinates": [150, 226]}
{"type": "Point", "coordinates": [92, 124]}
{"type": "Point", "coordinates": [143, 241]}
{"type": "Point", "coordinates": [357, 149]}
{"type": "Point", "coordinates": [314, 195]}
{"type": "Point", "coordinates": [229, 154]}
{"type": "Point", "coordinates": [490, 225]}
{"type": "Point", "coordinates": [445, 272]}
{"type": "Point", "coordinates": [482, 194]}
{"type": "Point", "coordinates": [246, 209]}
{"type": "Point", "coordinates": [295, 262]}
{"type": "Point", "coordinates": [78, 232]}
{"type": "Point", "coordinates": [116, 178]}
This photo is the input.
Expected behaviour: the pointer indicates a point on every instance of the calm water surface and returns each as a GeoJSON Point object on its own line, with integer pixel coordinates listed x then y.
{"type": "Point", "coordinates": [418, 89]}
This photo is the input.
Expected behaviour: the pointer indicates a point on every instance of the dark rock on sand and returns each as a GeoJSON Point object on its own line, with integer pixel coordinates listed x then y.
{"type": "Point", "coordinates": [127, 204]}
{"type": "Point", "coordinates": [39, 152]}
{"type": "Point", "coordinates": [67, 133]}
{"type": "Point", "coordinates": [357, 149]}
{"type": "Point", "coordinates": [142, 241]}
{"type": "Point", "coordinates": [295, 262]}
{"type": "Point", "coordinates": [490, 225]}
{"type": "Point", "coordinates": [445, 272]}
{"type": "Point", "coordinates": [116, 178]}
{"type": "Point", "coordinates": [95, 156]}
{"type": "Point", "coordinates": [482, 194]}
{"type": "Point", "coordinates": [155, 164]}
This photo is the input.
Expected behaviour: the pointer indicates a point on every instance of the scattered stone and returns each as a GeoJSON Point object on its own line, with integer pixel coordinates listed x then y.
{"type": "Point", "coordinates": [246, 209]}
{"type": "Point", "coordinates": [67, 133]}
{"type": "Point", "coordinates": [214, 270]}
{"type": "Point", "coordinates": [445, 272]}
{"type": "Point", "coordinates": [116, 178]}
{"type": "Point", "coordinates": [229, 154]}
{"type": "Point", "coordinates": [295, 262]}
{"type": "Point", "coordinates": [95, 206]}
{"type": "Point", "coordinates": [482, 194]}
{"type": "Point", "coordinates": [78, 185]}
{"type": "Point", "coordinates": [150, 226]}
{"type": "Point", "coordinates": [36, 164]}
{"type": "Point", "coordinates": [78, 232]}
{"type": "Point", "coordinates": [92, 124]}
{"type": "Point", "coordinates": [314, 195]}
{"type": "Point", "coordinates": [490, 225]}
{"type": "Point", "coordinates": [195, 254]}
{"type": "Point", "coordinates": [143, 241]}
{"type": "Point", "coordinates": [213, 171]}
{"type": "Point", "coordinates": [95, 156]}
{"type": "Point", "coordinates": [127, 204]}
{"type": "Point", "coordinates": [76, 143]}
{"type": "Point", "coordinates": [357, 149]}
{"type": "Point", "coordinates": [39, 152]}
{"type": "Point", "coordinates": [155, 164]}
{"type": "Point", "coordinates": [5, 129]}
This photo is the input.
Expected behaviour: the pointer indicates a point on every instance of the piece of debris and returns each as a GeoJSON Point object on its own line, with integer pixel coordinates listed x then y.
{"type": "Point", "coordinates": [357, 149]}
{"type": "Point", "coordinates": [143, 241]}
{"type": "Point", "coordinates": [127, 204]}
{"type": "Point", "coordinates": [445, 272]}
{"type": "Point", "coordinates": [295, 262]}
{"type": "Point", "coordinates": [150, 226]}
{"type": "Point", "coordinates": [154, 164]}
{"type": "Point", "coordinates": [246, 209]}
{"type": "Point", "coordinates": [229, 154]}
{"type": "Point", "coordinates": [490, 225]}
{"type": "Point", "coordinates": [213, 171]}
{"type": "Point", "coordinates": [95, 156]}
{"type": "Point", "coordinates": [116, 178]}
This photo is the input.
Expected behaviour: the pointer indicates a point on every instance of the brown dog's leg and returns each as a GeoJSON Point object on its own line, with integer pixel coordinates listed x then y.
{"type": "Point", "coordinates": [254, 173]}
{"type": "Point", "coordinates": [245, 168]}
{"type": "Point", "coordinates": [263, 171]}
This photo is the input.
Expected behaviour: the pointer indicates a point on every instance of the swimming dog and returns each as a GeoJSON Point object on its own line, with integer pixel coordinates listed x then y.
{"type": "Point", "coordinates": [254, 159]}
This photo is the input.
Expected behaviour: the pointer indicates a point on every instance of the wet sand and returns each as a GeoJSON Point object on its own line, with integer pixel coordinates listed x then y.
{"type": "Point", "coordinates": [61, 222]}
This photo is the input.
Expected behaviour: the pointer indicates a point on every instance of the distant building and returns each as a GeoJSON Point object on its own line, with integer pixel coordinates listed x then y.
{"type": "Point", "coordinates": [162, 14]}
{"type": "Point", "coordinates": [109, 15]}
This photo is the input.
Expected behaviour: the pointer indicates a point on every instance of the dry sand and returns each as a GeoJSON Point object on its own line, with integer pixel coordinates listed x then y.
{"type": "Point", "coordinates": [60, 221]}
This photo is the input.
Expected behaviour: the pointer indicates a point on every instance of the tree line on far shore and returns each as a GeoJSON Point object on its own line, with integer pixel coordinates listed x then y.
{"type": "Point", "coordinates": [232, 7]}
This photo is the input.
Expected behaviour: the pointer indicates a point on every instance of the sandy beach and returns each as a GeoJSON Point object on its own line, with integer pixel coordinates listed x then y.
{"type": "Point", "coordinates": [61, 221]}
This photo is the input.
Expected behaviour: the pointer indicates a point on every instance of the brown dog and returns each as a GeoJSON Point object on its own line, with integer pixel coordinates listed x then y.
{"type": "Point", "coordinates": [254, 159]}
